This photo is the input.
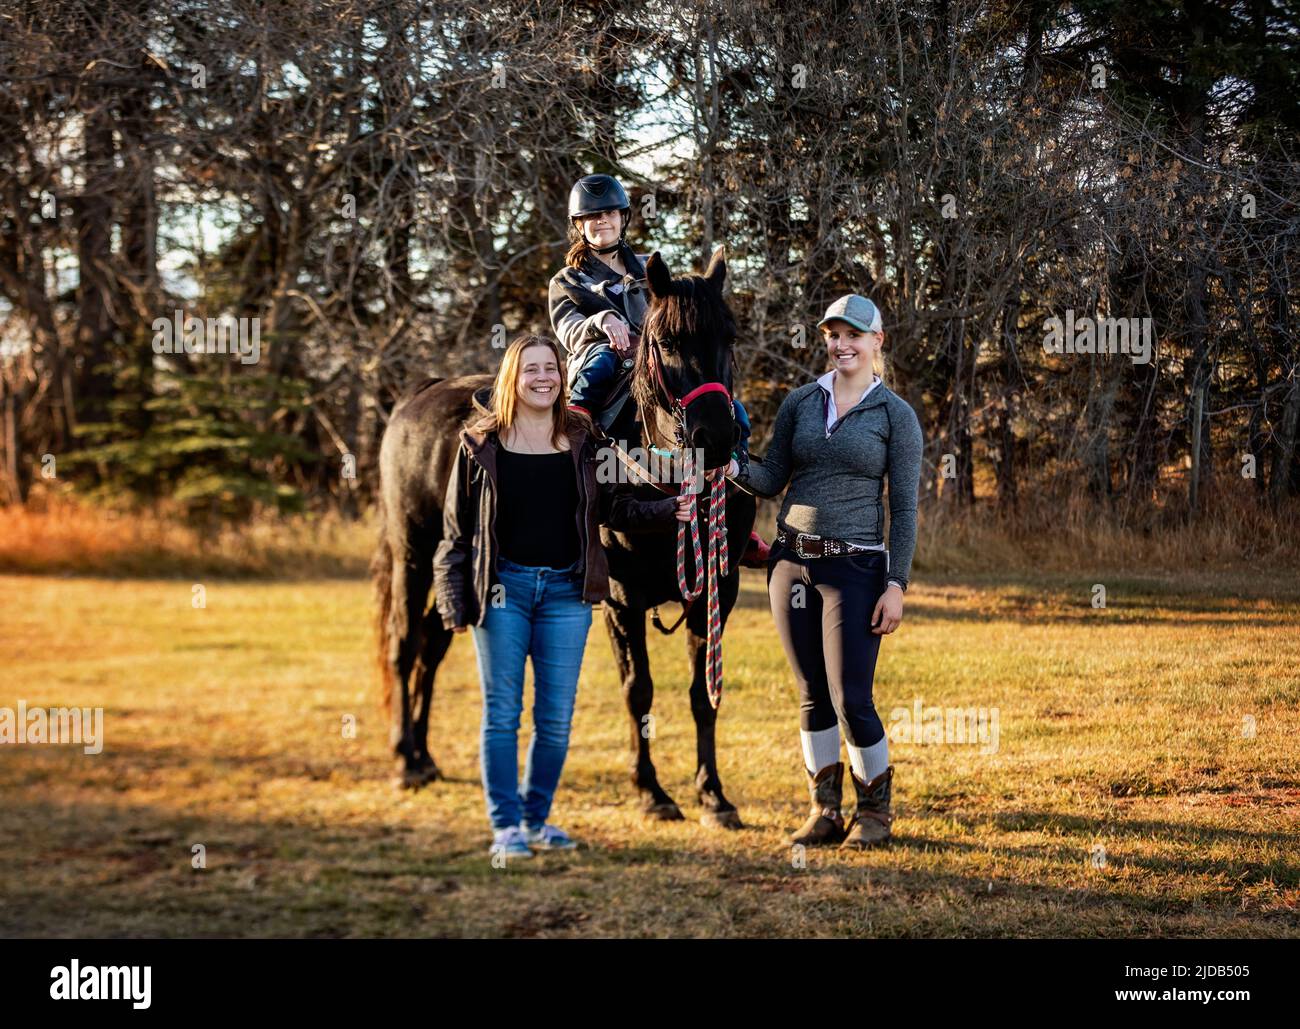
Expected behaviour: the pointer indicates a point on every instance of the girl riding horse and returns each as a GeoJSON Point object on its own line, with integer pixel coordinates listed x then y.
{"type": "Point", "coordinates": [598, 303]}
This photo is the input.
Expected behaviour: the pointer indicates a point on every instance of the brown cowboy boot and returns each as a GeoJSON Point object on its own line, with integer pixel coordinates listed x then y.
{"type": "Point", "coordinates": [825, 824]}
{"type": "Point", "coordinates": [871, 821]}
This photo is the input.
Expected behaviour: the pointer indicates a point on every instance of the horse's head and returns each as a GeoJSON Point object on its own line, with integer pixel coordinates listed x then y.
{"type": "Point", "coordinates": [683, 366]}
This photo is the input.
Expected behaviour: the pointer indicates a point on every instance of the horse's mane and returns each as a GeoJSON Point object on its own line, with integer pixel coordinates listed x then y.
{"type": "Point", "coordinates": [692, 315]}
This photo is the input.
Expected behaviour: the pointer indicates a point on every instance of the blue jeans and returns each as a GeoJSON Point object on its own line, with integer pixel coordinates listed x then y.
{"type": "Point", "coordinates": [595, 378]}
{"type": "Point", "coordinates": [542, 615]}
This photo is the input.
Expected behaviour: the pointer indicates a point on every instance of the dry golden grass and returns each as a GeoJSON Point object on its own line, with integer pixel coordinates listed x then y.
{"type": "Point", "coordinates": [67, 537]}
{"type": "Point", "coordinates": [59, 534]}
{"type": "Point", "coordinates": [1067, 533]}
{"type": "Point", "coordinates": [1120, 728]}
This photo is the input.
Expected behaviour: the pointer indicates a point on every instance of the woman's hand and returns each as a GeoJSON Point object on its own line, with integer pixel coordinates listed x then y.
{"type": "Point", "coordinates": [889, 611]}
{"type": "Point", "coordinates": [458, 629]}
{"type": "Point", "coordinates": [616, 329]}
{"type": "Point", "coordinates": [683, 512]}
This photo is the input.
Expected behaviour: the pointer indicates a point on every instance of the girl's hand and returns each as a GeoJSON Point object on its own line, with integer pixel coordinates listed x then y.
{"type": "Point", "coordinates": [889, 611]}
{"type": "Point", "coordinates": [459, 629]}
{"type": "Point", "coordinates": [683, 512]}
{"type": "Point", "coordinates": [733, 467]}
{"type": "Point", "coordinates": [616, 329]}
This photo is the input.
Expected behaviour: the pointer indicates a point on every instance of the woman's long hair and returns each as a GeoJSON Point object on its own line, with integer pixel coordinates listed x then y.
{"type": "Point", "coordinates": [579, 248]}
{"type": "Point", "coordinates": [505, 398]}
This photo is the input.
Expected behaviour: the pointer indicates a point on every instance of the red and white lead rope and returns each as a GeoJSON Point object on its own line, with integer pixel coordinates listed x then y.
{"type": "Point", "coordinates": [718, 565]}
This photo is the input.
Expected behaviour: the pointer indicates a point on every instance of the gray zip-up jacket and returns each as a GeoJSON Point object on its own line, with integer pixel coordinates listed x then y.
{"type": "Point", "coordinates": [837, 479]}
{"type": "Point", "coordinates": [579, 297]}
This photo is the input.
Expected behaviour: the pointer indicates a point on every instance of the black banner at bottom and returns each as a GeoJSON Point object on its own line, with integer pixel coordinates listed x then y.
{"type": "Point", "coordinates": [225, 978]}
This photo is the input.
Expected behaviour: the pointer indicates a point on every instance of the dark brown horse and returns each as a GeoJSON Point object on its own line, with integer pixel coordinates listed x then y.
{"type": "Point", "coordinates": [686, 344]}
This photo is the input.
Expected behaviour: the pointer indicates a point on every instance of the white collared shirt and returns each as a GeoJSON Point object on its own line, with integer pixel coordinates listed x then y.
{"type": "Point", "coordinates": [827, 382]}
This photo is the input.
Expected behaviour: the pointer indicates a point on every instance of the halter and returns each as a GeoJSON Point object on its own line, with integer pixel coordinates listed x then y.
{"type": "Point", "coordinates": [712, 561]}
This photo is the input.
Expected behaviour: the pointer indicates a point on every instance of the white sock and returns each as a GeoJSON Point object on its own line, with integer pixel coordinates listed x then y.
{"type": "Point", "coordinates": [820, 748]}
{"type": "Point", "coordinates": [869, 762]}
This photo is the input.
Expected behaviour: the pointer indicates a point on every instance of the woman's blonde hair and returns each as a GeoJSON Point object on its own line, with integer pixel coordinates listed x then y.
{"type": "Point", "coordinates": [505, 396]}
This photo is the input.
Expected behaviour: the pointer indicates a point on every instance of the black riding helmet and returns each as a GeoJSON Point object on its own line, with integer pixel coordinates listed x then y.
{"type": "Point", "coordinates": [592, 194]}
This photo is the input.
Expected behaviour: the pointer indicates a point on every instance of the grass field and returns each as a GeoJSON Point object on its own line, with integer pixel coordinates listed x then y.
{"type": "Point", "coordinates": [1127, 795]}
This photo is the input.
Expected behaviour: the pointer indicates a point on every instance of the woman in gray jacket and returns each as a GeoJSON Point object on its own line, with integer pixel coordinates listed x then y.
{"type": "Point", "coordinates": [598, 302]}
{"type": "Point", "coordinates": [834, 588]}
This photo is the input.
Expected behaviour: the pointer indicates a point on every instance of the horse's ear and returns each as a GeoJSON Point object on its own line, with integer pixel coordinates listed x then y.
{"type": "Point", "coordinates": [716, 274]}
{"type": "Point", "coordinates": [658, 277]}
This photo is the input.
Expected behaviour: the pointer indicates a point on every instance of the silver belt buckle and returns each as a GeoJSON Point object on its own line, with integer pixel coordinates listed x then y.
{"type": "Point", "coordinates": [798, 544]}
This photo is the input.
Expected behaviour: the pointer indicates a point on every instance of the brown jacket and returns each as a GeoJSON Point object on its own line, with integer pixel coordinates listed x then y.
{"type": "Point", "coordinates": [464, 565]}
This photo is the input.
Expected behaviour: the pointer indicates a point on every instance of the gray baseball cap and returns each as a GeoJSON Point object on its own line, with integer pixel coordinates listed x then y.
{"type": "Point", "coordinates": [857, 311]}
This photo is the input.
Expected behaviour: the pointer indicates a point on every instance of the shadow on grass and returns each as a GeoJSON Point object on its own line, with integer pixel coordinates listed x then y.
{"type": "Point", "coordinates": [147, 761]}
{"type": "Point", "coordinates": [86, 870]}
{"type": "Point", "coordinates": [111, 868]}
{"type": "Point", "coordinates": [1089, 831]}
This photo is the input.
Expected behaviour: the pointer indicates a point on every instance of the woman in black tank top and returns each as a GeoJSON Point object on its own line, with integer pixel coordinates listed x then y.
{"type": "Point", "coordinates": [521, 562]}
{"type": "Point", "coordinates": [537, 497]}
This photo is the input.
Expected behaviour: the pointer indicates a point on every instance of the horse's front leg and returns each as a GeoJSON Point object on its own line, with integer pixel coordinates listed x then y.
{"type": "Point", "coordinates": [718, 812]}
{"type": "Point", "coordinates": [626, 628]}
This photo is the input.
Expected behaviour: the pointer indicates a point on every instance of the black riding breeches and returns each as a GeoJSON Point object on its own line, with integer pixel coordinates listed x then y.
{"type": "Point", "coordinates": [822, 607]}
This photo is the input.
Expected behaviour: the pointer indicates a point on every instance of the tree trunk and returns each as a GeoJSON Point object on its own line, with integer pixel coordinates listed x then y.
{"type": "Point", "coordinates": [94, 216]}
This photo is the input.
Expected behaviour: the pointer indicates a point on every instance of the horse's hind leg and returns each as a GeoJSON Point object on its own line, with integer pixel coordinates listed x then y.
{"type": "Point", "coordinates": [412, 579]}
{"type": "Point", "coordinates": [627, 635]}
{"type": "Point", "coordinates": [436, 641]}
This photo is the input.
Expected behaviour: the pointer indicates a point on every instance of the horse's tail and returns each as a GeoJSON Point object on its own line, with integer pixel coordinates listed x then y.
{"type": "Point", "coordinates": [381, 574]}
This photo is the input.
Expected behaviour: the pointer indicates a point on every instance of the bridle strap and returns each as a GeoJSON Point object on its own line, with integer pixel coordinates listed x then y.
{"type": "Point", "coordinates": [699, 391]}
{"type": "Point", "coordinates": [656, 360]}
{"type": "Point", "coordinates": [637, 472]}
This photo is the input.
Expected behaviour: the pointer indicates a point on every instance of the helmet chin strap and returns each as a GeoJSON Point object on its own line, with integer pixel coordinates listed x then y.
{"type": "Point", "coordinates": [612, 247]}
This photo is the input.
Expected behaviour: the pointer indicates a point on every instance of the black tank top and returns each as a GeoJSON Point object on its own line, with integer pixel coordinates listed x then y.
{"type": "Point", "coordinates": [537, 508]}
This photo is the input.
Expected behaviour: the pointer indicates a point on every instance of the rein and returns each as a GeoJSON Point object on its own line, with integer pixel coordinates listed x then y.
{"type": "Point", "coordinates": [708, 574]}
{"type": "Point", "coordinates": [712, 572]}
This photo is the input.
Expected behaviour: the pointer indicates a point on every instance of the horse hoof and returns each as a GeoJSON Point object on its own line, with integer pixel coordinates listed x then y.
{"type": "Point", "coordinates": [411, 779]}
{"type": "Point", "coordinates": [428, 773]}
{"type": "Point", "coordinates": [668, 812]}
{"type": "Point", "coordinates": [722, 819]}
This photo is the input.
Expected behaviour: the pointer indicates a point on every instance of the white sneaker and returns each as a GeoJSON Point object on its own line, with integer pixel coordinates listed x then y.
{"type": "Point", "coordinates": [510, 842]}
{"type": "Point", "coordinates": [549, 837]}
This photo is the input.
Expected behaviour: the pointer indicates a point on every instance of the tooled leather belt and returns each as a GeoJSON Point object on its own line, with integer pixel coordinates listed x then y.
{"type": "Point", "coordinates": [807, 545]}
